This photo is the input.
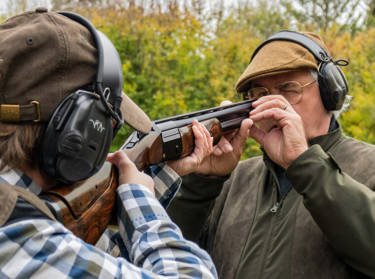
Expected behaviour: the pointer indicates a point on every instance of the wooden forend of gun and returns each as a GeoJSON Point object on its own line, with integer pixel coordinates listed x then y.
{"type": "Point", "coordinates": [87, 208]}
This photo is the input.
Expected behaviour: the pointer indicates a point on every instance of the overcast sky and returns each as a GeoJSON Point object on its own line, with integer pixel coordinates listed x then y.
{"type": "Point", "coordinates": [45, 3]}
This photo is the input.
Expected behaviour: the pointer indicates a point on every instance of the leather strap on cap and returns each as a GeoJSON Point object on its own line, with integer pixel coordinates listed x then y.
{"type": "Point", "coordinates": [20, 113]}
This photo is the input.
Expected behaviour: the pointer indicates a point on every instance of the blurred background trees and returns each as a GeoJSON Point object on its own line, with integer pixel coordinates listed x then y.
{"type": "Point", "coordinates": [184, 55]}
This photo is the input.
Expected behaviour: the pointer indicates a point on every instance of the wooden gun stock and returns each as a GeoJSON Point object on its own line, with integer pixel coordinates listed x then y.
{"type": "Point", "coordinates": [87, 208]}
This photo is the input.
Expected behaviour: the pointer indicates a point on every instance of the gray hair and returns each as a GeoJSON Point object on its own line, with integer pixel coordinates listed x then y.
{"type": "Point", "coordinates": [314, 74]}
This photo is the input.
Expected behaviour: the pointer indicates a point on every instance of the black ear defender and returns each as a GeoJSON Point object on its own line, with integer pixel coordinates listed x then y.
{"type": "Point", "coordinates": [78, 136]}
{"type": "Point", "coordinates": [332, 82]}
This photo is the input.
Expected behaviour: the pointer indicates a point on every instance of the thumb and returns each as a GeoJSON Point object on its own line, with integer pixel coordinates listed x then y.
{"type": "Point", "coordinates": [225, 103]}
{"type": "Point", "coordinates": [241, 136]}
{"type": "Point", "coordinates": [120, 160]}
{"type": "Point", "coordinates": [257, 134]}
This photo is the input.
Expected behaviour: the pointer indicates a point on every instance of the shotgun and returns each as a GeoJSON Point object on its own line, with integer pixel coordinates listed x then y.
{"type": "Point", "coordinates": [87, 208]}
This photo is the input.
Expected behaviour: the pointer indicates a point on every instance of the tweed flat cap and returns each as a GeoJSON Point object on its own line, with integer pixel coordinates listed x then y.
{"type": "Point", "coordinates": [278, 57]}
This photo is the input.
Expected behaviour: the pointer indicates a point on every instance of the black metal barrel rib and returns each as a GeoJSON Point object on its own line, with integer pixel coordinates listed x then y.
{"type": "Point", "coordinates": [230, 116]}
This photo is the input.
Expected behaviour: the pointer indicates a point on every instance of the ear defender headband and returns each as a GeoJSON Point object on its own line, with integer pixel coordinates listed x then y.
{"type": "Point", "coordinates": [79, 133]}
{"type": "Point", "coordinates": [332, 82]}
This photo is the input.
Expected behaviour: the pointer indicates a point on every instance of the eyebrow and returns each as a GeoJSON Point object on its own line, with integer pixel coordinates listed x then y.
{"type": "Point", "coordinates": [256, 85]}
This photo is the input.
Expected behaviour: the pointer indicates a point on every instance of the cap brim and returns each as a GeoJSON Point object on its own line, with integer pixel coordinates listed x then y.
{"type": "Point", "coordinates": [134, 116]}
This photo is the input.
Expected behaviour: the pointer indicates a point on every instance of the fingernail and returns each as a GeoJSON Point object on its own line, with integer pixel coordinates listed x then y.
{"type": "Point", "coordinates": [217, 151]}
{"type": "Point", "coordinates": [228, 147]}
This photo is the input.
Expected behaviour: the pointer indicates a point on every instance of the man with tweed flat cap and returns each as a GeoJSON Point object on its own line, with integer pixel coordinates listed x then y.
{"type": "Point", "coordinates": [306, 208]}
{"type": "Point", "coordinates": [60, 106]}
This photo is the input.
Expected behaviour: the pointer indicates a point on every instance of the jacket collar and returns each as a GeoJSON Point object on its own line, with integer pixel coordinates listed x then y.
{"type": "Point", "coordinates": [326, 141]}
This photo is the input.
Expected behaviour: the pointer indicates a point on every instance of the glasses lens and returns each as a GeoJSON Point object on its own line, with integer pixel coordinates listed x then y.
{"type": "Point", "coordinates": [290, 87]}
{"type": "Point", "coordinates": [258, 92]}
{"type": "Point", "coordinates": [291, 91]}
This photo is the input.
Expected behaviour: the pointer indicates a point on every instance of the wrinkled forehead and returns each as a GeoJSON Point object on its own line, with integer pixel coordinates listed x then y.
{"type": "Point", "coordinates": [297, 75]}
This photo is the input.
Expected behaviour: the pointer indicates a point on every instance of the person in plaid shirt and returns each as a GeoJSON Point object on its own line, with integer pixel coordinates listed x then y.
{"type": "Point", "coordinates": [49, 64]}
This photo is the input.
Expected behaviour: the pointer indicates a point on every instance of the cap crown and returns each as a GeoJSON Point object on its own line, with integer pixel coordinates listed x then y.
{"type": "Point", "coordinates": [44, 57]}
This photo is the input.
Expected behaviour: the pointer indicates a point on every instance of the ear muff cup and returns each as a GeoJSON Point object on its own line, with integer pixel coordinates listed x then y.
{"type": "Point", "coordinates": [77, 138]}
{"type": "Point", "coordinates": [332, 85]}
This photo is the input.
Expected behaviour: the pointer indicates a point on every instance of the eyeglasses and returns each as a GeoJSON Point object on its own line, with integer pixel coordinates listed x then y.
{"type": "Point", "coordinates": [291, 90]}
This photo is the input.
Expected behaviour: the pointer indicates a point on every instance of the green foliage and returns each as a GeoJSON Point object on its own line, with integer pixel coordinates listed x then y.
{"type": "Point", "coordinates": [174, 64]}
{"type": "Point", "coordinates": [182, 56]}
{"type": "Point", "coordinates": [359, 120]}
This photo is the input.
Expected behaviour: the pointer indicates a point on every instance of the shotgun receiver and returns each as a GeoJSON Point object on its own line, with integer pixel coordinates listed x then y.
{"type": "Point", "coordinates": [87, 208]}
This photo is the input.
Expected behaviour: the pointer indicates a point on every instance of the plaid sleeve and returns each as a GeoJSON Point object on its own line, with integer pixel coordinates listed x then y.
{"type": "Point", "coordinates": [167, 182]}
{"type": "Point", "coordinates": [41, 248]}
{"type": "Point", "coordinates": [153, 241]}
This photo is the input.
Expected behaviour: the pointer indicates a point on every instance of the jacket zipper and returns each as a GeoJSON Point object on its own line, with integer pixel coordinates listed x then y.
{"type": "Point", "coordinates": [275, 207]}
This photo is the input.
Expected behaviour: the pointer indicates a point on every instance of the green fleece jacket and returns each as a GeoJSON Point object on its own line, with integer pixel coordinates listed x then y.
{"type": "Point", "coordinates": [324, 227]}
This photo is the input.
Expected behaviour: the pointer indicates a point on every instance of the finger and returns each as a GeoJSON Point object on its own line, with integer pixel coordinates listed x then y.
{"type": "Point", "coordinates": [273, 103]}
{"type": "Point", "coordinates": [201, 145]}
{"type": "Point", "coordinates": [225, 103]}
{"type": "Point", "coordinates": [224, 145]}
{"type": "Point", "coordinates": [268, 98]}
{"type": "Point", "coordinates": [109, 156]}
{"type": "Point", "coordinates": [112, 158]}
{"type": "Point", "coordinates": [198, 135]}
{"type": "Point", "coordinates": [273, 113]}
{"type": "Point", "coordinates": [230, 136]}
{"type": "Point", "coordinates": [242, 135]}
{"type": "Point", "coordinates": [121, 160]}
{"type": "Point", "coordinates": [217, 151]}
{"type": "Point", "coordinates": [208, 139]}
{"type": "Point", "coordinates": [257, 134]}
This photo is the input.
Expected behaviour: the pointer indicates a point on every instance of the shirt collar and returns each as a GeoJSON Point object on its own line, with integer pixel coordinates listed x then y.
{"type": "Point", "coordinates": [14, 176]}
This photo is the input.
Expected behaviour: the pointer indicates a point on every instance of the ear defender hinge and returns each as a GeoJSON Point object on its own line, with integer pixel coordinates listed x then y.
{"type": "Point", "coordinates": [10, 113]}
{"type": "Point", "coordinates": [324, 57]}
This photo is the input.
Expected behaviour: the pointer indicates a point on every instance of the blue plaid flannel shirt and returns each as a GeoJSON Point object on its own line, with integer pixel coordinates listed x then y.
{"type": "Point", "coordinates": [150, 244]}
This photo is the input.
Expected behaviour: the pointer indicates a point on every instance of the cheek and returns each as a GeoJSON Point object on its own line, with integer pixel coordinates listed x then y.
{"type": "Point", "coordinates": [310, 113]}
{"type": "Point", "coordinates": [304, 111]}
